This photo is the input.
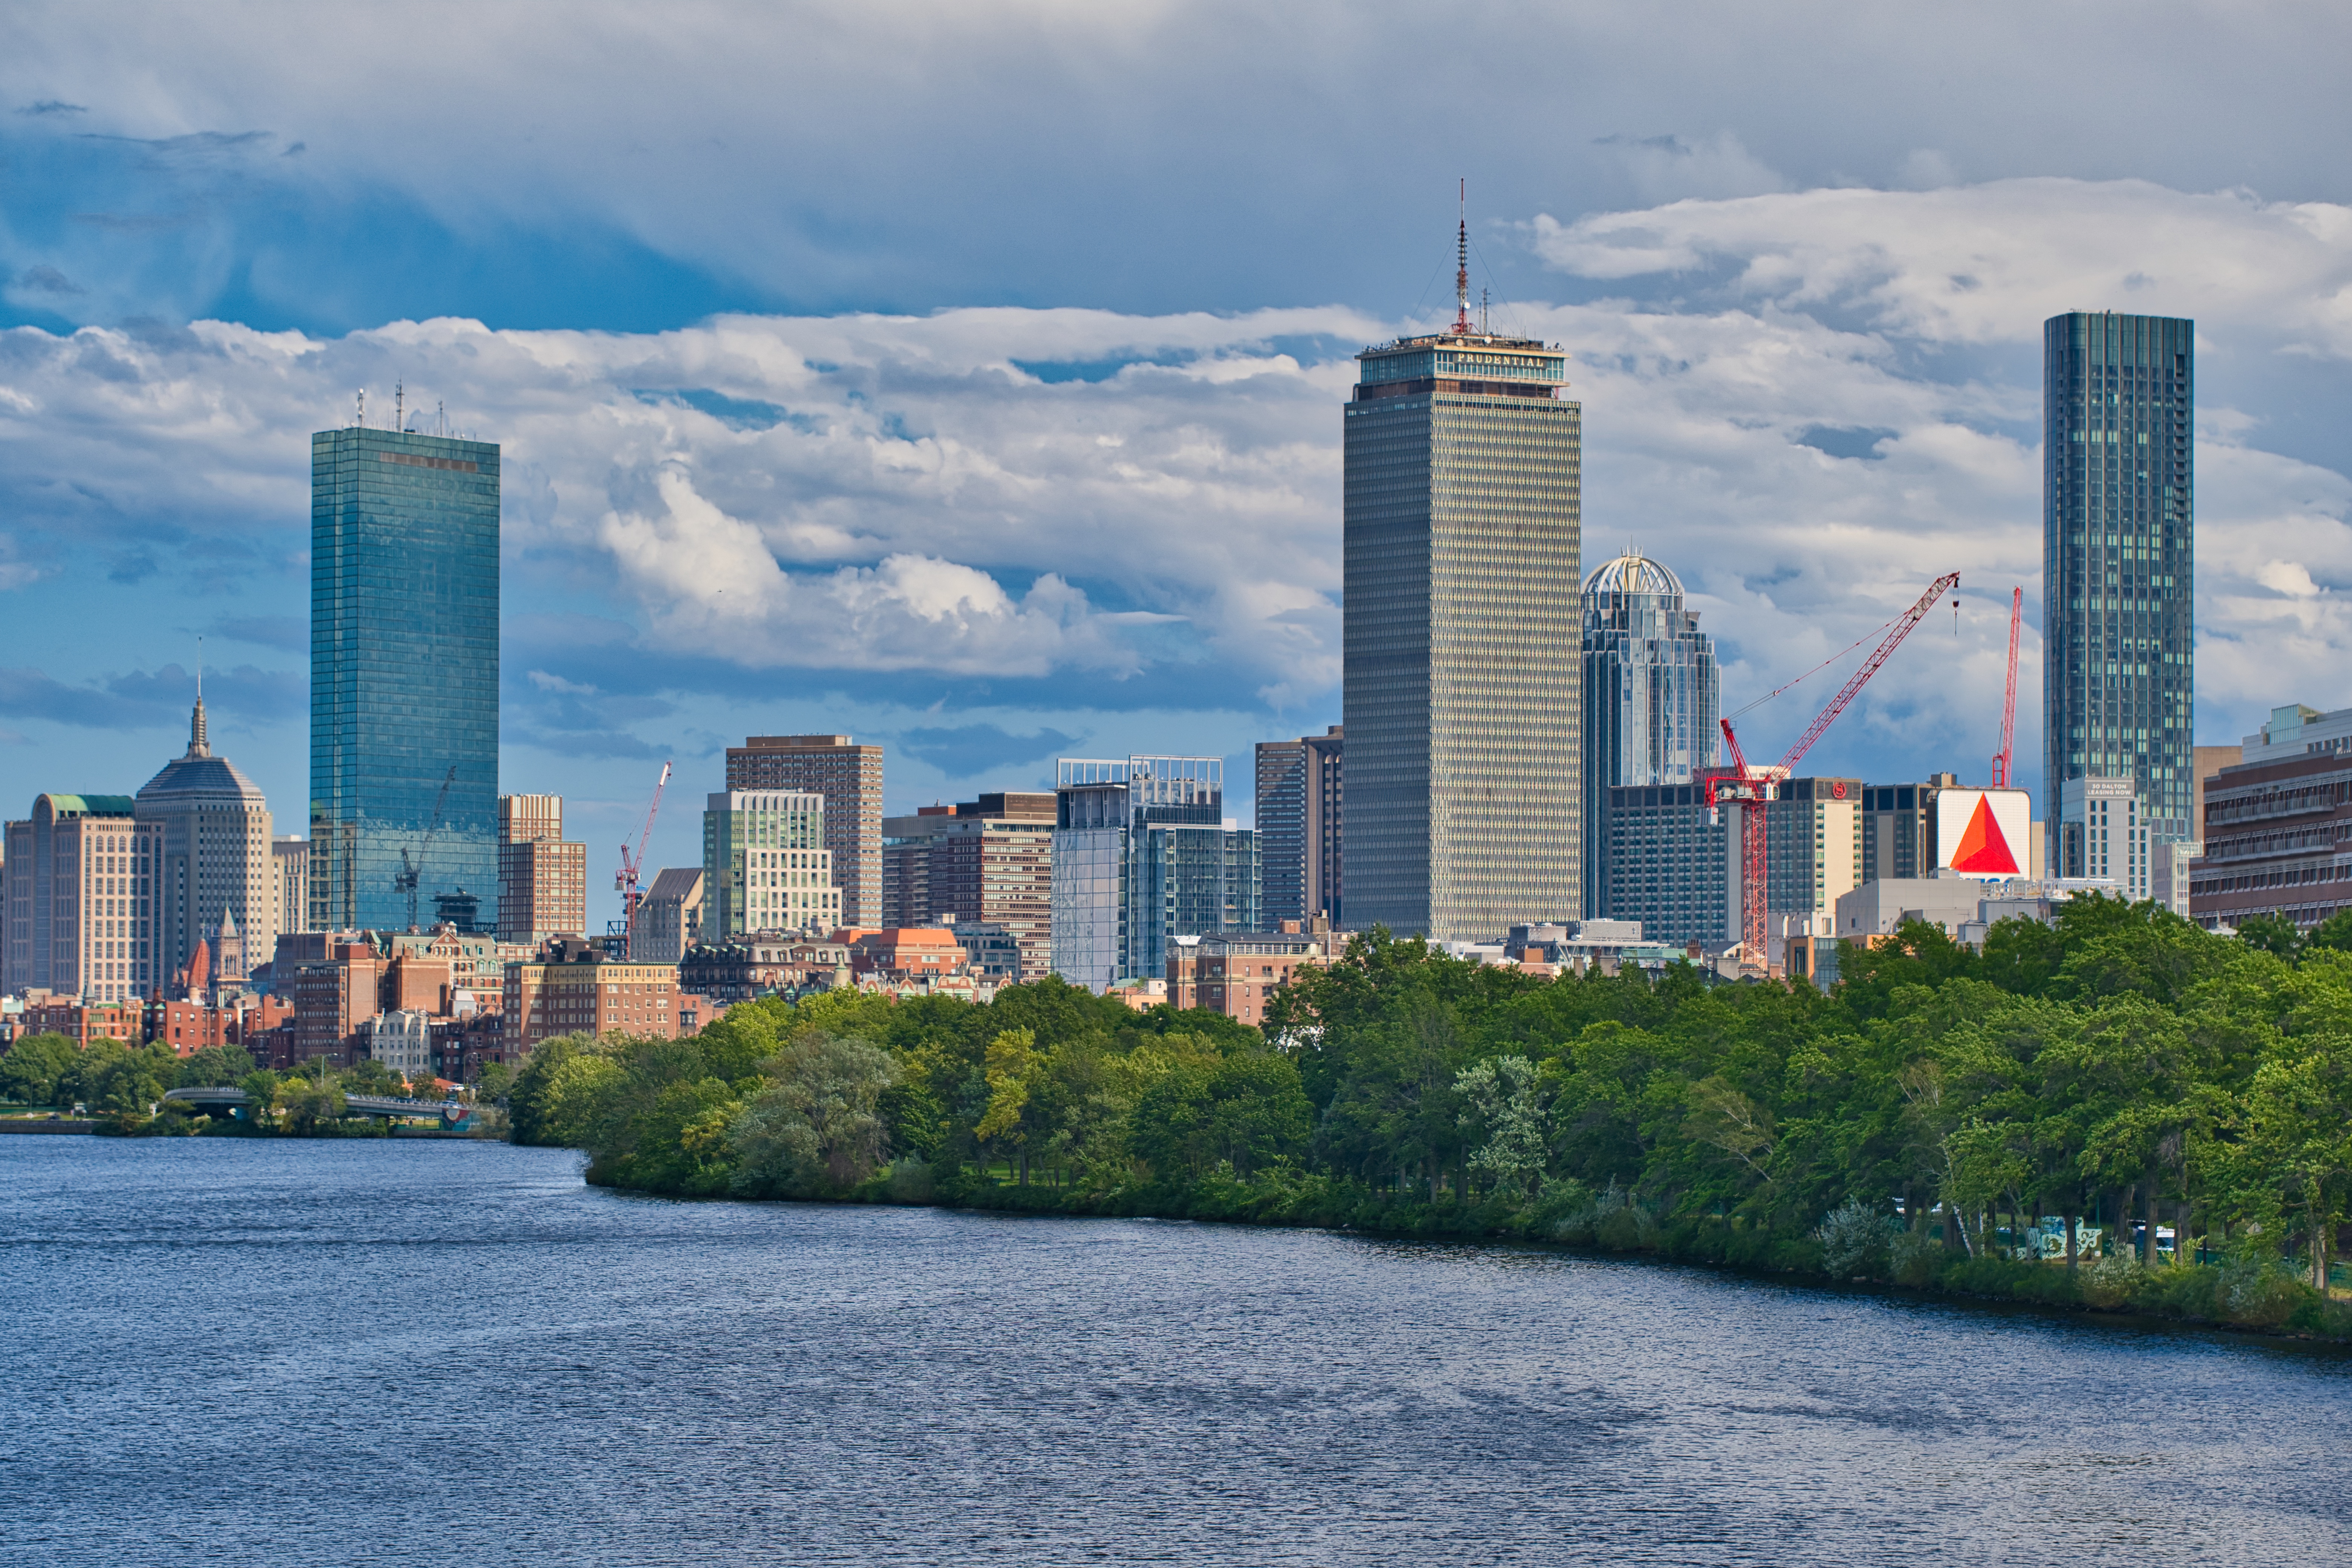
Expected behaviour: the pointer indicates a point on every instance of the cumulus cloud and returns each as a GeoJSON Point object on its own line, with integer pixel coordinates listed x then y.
{"type": "Point", "coordinates": [1789, 397]}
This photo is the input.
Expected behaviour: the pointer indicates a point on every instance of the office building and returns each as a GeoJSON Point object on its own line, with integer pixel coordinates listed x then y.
{"type": "Point", "coordinates": [216, 860]}
{"type": "Point", "coordinates": [1668, 863]}
{"type": "Point", "coordinates": [849, 777]}
{"type": "Point", "coordinates": [2119, 562]}
{"type": "Point", "coordinates": [980, 862]}
{"type": "Point", "coordinates": [1300, 816]}
{"type": "Point", "coordinates": [1462, 577]}
{"type": "Point", "coordinates": [669, 921]}
{"type": "Point", "coordinates": [1812, 848]}
{"type": "Point", "coordinates": [81, 869]}
{"type": "Point", "coordinates": [1143, 852]}
{"type": "Point", "coordinates": [542, 880]}
{"type": "Point", "coordinates": [764, 865]}
{"type": "Point", "coordinates": [1650, 695]}
{"type": "Point", "coordinates": [289, 858]}
{"type": "Point", "coordinates": [2278, 833]}
{"type": "Point", "coordinates": [2103, 832]}
{"type": "Point", "coordinates": [403, 680]}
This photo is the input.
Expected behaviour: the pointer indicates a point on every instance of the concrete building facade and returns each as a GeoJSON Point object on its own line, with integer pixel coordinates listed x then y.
{"type": "Point", "coordinates": [1461, 572]}
{"type": "Point", "coordinates": [217, 860]}
{"type": "Point", "coordinates": [849, 777]}
{"type": "Point", "coordinates": [986, 862]}
{"type": "Point", "coordinates": [765, 867]}
{"type": "Point", "coordinates": [669, 921]}
{"type": "Point", "coordinates": [542, 880]}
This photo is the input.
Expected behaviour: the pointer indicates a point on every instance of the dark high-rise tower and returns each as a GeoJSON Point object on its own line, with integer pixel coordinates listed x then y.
{"type": "Point", "coordinates": [2119, 561]}
{"type": "Point", "coordinates": [1464, 705]}
{"type": "Point", "coordinates": [403, 680]}
{"type": "Point", "coordinates": [1301, 817]}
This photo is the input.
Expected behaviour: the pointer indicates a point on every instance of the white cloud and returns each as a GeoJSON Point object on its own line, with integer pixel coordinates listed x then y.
{"type": "Point", "coordinates": [899, 495]}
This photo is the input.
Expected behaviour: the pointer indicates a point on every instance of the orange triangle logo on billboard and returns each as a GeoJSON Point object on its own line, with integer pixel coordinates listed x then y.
{"type": "Point", "coordinates": [1983, 849]}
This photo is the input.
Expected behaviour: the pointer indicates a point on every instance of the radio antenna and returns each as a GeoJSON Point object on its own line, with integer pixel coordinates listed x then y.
{"type": "Point", "coordinates": [1462, 268]}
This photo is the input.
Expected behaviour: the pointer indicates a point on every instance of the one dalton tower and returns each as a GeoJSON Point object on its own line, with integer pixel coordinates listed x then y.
{"type": "Point", "coordinates": [1463, 691]}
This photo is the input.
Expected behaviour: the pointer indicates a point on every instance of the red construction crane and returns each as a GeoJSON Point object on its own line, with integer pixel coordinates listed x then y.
{"type": "Point", "coordinates": [1754, 787]}
{"type": "Point", "coordinates": [631, 868]}
{"type": "Point", "coordinates": [2009, 704]}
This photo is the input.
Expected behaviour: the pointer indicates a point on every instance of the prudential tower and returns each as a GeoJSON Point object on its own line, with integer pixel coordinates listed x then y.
{"type": "Point", "coordinates": [1463, 690]}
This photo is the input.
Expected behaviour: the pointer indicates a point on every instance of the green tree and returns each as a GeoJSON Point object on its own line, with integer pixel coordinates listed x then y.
{"type": "Point", "coordinates": [215, 1067]}
{"type": "Point", "coordinates": [1015, 1070]}
{"type": "Point", "coordinates": [1502, 1101]}
{"type": "Point", "coordinates": [30, 1072]}
{"type": "Point", "coordinates": [820, 1127]}
{"type": "Point", "coordinates": [2274, 933]}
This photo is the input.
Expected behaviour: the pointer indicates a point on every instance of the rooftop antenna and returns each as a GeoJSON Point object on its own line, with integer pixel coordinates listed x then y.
{"type": "Point", "coordinates": [1483, 329]}
{"type": "Point", "coordinates": [360, 418]}
{"type": "Point", "coordinates": [1462, 268]}
{"type": "Point", "coordinates": [399, 396]}
{"type": "Point", "coordinates": [441, 417]}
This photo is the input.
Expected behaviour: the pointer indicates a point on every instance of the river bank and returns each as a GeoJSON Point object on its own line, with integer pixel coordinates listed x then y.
{"type": "Point", "coordinates": [2250, 1293]}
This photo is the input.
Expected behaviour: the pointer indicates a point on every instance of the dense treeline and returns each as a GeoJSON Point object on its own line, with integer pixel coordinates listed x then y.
{"type": "Point", "coordinates": [2121, 1070]}
{"type": "Point", "coordinates": [123, 1086]}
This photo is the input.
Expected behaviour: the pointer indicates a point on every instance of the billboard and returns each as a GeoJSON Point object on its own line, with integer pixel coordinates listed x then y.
{"type": "Point", "coordinates": [1982, 832]}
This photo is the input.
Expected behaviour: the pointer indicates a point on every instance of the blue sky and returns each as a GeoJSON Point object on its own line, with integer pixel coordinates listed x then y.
{"type": "Point", "coordinates": [967, 378]}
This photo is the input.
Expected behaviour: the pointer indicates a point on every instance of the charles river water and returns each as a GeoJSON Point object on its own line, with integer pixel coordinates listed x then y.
{"type": "Point", "coordinates": [331, 1353]}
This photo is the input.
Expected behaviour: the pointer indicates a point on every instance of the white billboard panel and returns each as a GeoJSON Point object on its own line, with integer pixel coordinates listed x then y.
{"type": "Point", "coordinates": [1982, 832]}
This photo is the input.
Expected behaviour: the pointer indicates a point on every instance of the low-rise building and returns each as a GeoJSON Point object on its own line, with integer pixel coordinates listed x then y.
{"type": "Point", "coordinates": [402, 1040]}
{"type": "Point", "coordinates": [239, 1020]}
{"type": "Point", "coordinates": [1238, 975]}
{"type": "Point", "coordinates": [769, 965]}
{"type": "Point", "coordinates": [574, 989]}
{"type": "Point", "coordinates": [904, 953]}
{"type": "Point", "coordinates": [83, 1022]}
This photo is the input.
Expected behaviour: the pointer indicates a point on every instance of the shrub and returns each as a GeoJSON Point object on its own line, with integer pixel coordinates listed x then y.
{"type": "Point", "coordinates": [1854, 1239]}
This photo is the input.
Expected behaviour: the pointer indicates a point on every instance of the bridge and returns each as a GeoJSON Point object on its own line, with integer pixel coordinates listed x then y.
{"type": "Point", "coordinates": [450, 1113]}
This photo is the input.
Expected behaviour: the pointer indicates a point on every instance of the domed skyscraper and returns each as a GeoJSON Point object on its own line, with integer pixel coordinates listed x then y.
{"type": "Point", "coordinates": [1650, 696]}
{"type": "Point", "coordinates": [215, 866]}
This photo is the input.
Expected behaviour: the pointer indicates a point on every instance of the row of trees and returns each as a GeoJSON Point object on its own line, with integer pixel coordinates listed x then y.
{"type": "Point", "coordinates": [2118, 1068]}
{"type": "Point", "coordinates": [126, 1084]}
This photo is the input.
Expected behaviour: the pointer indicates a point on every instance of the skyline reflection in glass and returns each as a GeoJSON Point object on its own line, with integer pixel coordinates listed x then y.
{"type": "Point", "coordinates": [403, 679]}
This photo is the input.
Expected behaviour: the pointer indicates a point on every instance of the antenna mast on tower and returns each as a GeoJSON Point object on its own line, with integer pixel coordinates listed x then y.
{"type": "Point", "coordinates": [1462, 268]}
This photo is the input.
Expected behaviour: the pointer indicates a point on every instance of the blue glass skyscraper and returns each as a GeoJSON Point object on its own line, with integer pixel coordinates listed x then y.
{"type": "Point", "coordinates": [403, 680]}
{"type": "Point", "coordinates": [2119, 564]}
{"type": "Point", "coordinates": [1649, 697]}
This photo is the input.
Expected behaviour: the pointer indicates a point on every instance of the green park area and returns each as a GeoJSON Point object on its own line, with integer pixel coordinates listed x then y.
{"type": "Point", "coordinates": [2119, 1112]}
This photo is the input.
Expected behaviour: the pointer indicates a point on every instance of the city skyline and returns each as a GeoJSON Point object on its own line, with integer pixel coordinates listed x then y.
{"type": "Point", "coordinates": [1037, 491]}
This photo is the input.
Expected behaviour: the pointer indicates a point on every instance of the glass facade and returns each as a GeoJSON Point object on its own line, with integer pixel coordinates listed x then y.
{"type": "Point", "coordinates": [1301, 786]}
{"type": "Point", "coordinates": [1650, 695]}
{"type": "Point", "coordinates": [1462, 589]}
{"type": "Point", "coordinates": [1142, 855]}
{"type": "Point", "coordinates": [2119, 561]}
{"type": "Point", "coordinates": [1668, 862]}
{"type": "Point", "coordinates": [764, 864]}
{"type": "Point", "coordinates": [403, 679]}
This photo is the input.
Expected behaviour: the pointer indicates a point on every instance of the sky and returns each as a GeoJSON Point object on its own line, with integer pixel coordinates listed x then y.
{"type": "Point", "coordinates": [968, 378]}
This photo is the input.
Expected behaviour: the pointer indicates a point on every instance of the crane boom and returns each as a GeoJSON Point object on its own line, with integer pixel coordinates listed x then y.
{"type": "Point", "coordinates": [2001, 760]}
{"type": "Point", "coordinates": [1879, 656]}
{"type": "Point", "coordinates": [405, 880]}
{"type": "Point", "coordinates": [1752, 786]}
{"type": "Point", "coordinates": [630, 876]}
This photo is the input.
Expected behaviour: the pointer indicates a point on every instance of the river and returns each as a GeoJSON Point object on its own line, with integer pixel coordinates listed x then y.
{"type": "Point", "coordinates": [284, 1351]}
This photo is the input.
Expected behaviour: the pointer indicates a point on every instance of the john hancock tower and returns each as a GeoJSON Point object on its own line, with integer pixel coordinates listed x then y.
{"type": "Point", "coordinates": [403, 680]}
{"type": "Point", "coordinates": [1463, 702]}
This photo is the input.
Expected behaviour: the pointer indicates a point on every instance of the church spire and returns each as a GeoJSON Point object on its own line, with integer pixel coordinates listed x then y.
{"type": "Point", "coordinates": [198, 743]}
